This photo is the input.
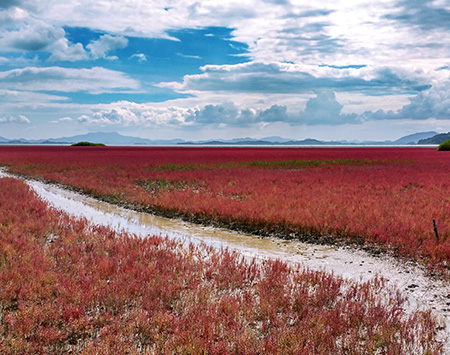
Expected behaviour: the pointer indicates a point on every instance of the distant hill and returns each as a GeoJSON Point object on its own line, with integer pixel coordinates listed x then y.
{"type": "Point", "coordinates": [409, 139]}
{"type": "Point", "coordinates": [437, 139]}
{"type": "Point", "coordinates": [415, 138]}
{"type": "Point", "coordinates": [108, 138]}
{"type": "Point", "coordinates": [114, 138]}
{"type": "Point", "coordinates": [263, 141]}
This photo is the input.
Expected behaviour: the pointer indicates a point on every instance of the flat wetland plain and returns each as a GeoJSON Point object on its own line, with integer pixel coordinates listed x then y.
{"type": "Point", "coordinates": [383, 200]}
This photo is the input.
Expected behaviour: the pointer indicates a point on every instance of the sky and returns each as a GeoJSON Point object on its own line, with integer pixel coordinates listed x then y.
{"type": "Point", "coordinates": [333, 70]}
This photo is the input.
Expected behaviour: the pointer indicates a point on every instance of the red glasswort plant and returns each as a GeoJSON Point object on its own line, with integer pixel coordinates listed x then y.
{"type": "Point", "coordinates": [67, 286]}
{"type": "Point", "coordinates": [383, 197]}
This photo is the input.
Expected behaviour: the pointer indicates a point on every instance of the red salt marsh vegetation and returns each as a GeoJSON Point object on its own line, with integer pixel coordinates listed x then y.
{"type": "Point", "coordinates": [381, 197]}
{"type": "Point", "coordinates": [68, 286]}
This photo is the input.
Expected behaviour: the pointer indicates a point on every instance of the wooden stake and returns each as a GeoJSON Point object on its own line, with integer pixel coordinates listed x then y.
{"type": "Point", "coordinates": [435, 229]}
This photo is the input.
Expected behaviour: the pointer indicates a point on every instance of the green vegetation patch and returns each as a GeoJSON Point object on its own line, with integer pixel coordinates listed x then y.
{"type": "Point", "coordinates": [88, 144]}
{"type": "Point", "coordinates": [306, 163]}
{"type": "Point", "coordinates": [444, 146]}
{"type": "Point", "coordinates": [157, 186]}
{"type": "Point", "coordinates": [163, 185]}
{"type": "Point", "coordinates": [278, 164]}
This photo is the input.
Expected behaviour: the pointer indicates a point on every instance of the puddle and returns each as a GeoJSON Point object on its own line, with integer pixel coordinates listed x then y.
{"type": "Point", "coordinates": [421, 291]}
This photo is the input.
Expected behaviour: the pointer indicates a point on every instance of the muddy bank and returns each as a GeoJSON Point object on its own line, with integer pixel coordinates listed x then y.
{"type": "Point", "coordinates": [256, 228]}
{"type": "Point", "coordinates": [421, 290]}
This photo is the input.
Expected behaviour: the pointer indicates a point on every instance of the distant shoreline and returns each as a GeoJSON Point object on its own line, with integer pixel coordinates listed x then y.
{"type": "Point", "coordinates": [193, 145]}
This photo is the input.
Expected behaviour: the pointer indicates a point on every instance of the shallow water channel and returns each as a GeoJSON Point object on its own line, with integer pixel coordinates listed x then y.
{"type": "Point", "coordinates": [421, 291]}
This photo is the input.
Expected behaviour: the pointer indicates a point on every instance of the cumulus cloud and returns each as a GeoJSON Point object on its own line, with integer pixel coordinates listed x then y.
{"type": "Point", "coordinates": [14, 119]}
{"type": "Point", "coordinates": [64, 50]}
{"type": "Point", "coordinates": [275, 113]}
{"type": "Point", "coordinates": [229, 114]}
{"type": "Point", "coordinates": [131, 114]}
{"type": "Point", "coordinates": [321, 109]}
{"type": "Point", "coordinates": [432, 103]}
{"type": "Point", "coordinates": [94, 80]}
{"type": "Point", "coordinates": [23, 31]}
{"type": "Point", "coordinates": [106, 43]}
{"type": "Point", "coordinates": [226, 113]}
{"type": "Point", "coordinates": [115, 116]}
{"type": "Point", "coordinates": [33, 37]}
{"type": "Point", "coordinates": [67, 51]}
{"type": "Point", "coordinates": [126, 113]}
{"type": "Point", "coordinates": [325, 109]}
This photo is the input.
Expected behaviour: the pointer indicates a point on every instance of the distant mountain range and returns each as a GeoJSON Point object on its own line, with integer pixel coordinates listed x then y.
{"type": "Point", "coordinates": [407, 140]}
{"type": "Point", "coordinates": [108, 138]}
{"type": "Point", "coordinates": [113, 138]}
{"type": "Point", "coordinates": [437, 139]}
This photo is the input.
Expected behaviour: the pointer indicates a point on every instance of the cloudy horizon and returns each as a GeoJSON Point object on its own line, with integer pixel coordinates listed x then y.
{"type": "Point", "coordinates": [198, 70]}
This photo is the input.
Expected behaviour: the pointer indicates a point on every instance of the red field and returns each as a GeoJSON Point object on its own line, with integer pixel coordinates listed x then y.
{"type": "Point", "coordinates": [68, 287]}
{"type": "Point", "coordinates": [386, 197]}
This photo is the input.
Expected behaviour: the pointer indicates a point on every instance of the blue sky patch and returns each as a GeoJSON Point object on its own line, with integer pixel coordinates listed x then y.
{"type": "Point", "coordinates": [151, 94]}
{"type": "Point", "coordinates": [155, 60]}
{"type": "Point", "coordinates": [350, 66]}
{"type": "Point", "coordinates": [165, 59]}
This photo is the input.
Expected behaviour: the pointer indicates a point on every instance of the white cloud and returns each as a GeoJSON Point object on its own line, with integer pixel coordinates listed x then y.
{"type": "Point", "coordinates": [95, 80]}
{"type": "Point", "coordinates": [27, 97]}
{"type": "Point", "coordinates": [10, 17]}
{"type": "Point", "coordinates": [338, 33]}
{"type": "Point", "coordinates": [14, 119]}
{"type": "Point", "coordinates": [125, 113]}
{"type": "Point", "coordinates": [106, 43]}
{"type": "Point", "coordinates": [224, 114]}
{"type": "Point", "coordinates": [298, 78]}
{"type": "Point", "coordinates": [63, 120]}
{"type": "Point", "coordinates": [66, 51]}
{"type": "Point", "coordinates": [22, 31]}
{"type": "Point", "coordinates": [189, 56]}
{"type": "Point", "coordinates": [140, 57]}
{"type": "Point", "coordinates": [328, 32]}
{"type": "Point", "coordinates": [433, 103]}
{"type": "Point", "coordinates": [321, 109]}
{"type": "Point", "coordinates": [32, 37]}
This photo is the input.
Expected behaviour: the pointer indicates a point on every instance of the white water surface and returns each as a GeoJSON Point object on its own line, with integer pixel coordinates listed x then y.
{"type": "Point", "coordinates": [421, 291]}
